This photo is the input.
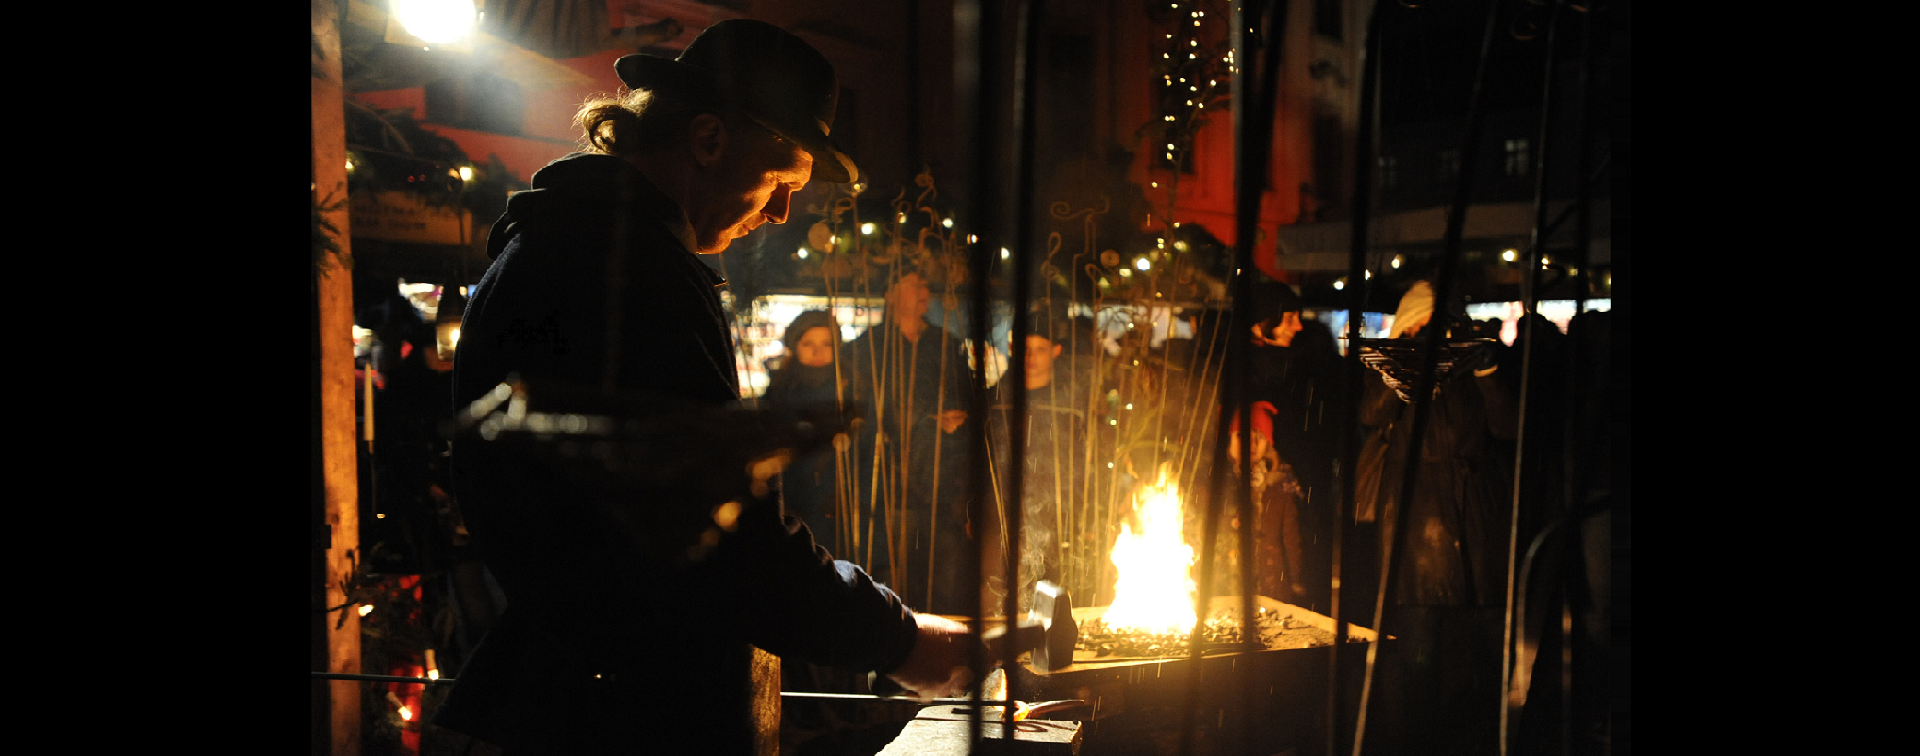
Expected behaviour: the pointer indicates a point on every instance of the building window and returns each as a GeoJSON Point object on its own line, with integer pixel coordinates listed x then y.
{"type": "Point", "coordinates": [1449, 172]}
{"type": "Point", "coordinates": [1389, 172]}
{"type": "Point", "coordinates": [1518, 158]}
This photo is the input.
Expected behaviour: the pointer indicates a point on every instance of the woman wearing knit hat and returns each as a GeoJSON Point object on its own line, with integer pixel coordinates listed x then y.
{"type": "Point", "coordinates": [1279, 551]}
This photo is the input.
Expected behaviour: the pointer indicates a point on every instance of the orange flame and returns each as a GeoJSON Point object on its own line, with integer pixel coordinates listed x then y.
{"type": "Point", "coordinates": [1155, 588]}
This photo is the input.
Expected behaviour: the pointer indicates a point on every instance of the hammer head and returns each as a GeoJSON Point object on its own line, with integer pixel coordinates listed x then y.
{"type": "Point", "coordinates": [1048, 629]}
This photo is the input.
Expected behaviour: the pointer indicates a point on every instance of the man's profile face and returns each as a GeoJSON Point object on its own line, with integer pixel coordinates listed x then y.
{"type": "Point", "coordinates": [1282, 332]}
{"type": "Point", "coordinates": [752, 184]}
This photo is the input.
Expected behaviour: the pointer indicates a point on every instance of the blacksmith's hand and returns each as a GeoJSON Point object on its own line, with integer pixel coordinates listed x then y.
{"type": "Point", "coordinates": [1484, 361]}
{"type": "Point", "coordinates": [937, 667]}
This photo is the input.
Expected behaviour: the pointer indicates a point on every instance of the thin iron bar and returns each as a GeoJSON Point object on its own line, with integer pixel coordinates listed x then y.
{"type": "Point", "coordinates": [1252, 125]}
{"type": "Point", "coordinates": [979, 22]}
{"type": "Point", "coordinates": [939, 434]}
{"type": "Point", "coordinates": [1025, 68]}
{"type": "Point", "coordinates": [783, 694]}
{"type": "Point", "coordinates": [1583, 230]}
{"type": "Point", "coordinates": [1254, 137]}
{"type": "Point", "coordinates": [1529, 304]}
{"type": "Point", "coordinates": [1366, 139]}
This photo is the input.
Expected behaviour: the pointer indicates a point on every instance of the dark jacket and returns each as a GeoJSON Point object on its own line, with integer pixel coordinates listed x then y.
{"type": "Point", "coordinates": [1455, 544]}
{"type": "Point", "coordinates": [902, 387]}
{"type": "Point", "coordinates": [608, 643]}
{"type": "Point", "coordinates": [811, 481]}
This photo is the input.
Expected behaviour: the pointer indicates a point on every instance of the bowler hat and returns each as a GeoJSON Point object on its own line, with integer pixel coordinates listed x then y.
{"type": "Point", "coordinates": [761, 70]}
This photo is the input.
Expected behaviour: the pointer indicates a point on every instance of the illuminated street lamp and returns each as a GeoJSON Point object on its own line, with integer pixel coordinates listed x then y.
{"type": "Point", "coordinates": [438, 22]}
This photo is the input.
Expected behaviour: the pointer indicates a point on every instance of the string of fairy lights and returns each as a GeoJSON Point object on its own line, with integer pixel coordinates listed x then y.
{"type": "Point", "coordinates": [1194, 69]}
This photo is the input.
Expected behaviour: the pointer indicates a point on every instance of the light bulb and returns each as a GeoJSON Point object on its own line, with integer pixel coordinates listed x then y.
{"type": "Point", "coordinates": [435, 21]}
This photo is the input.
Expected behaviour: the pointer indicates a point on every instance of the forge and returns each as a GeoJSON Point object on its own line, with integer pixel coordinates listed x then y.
{"type": "Point", "coordinates": [1264, 698]}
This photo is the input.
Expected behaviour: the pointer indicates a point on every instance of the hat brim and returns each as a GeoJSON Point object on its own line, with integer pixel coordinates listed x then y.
{"type": "Point", "coordinates": [676, 79]}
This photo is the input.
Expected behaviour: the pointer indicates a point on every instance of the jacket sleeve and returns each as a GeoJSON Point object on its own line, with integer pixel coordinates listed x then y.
{"type": "Point", "coordinates": [1380, 405]}
{"type": "Point", "coordinates": [793, 599]}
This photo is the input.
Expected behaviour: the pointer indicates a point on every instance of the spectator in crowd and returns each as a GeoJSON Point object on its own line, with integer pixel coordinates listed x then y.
{"type": "Point", "coordinates": [809, 375]}
{"type": "Point", "coordinates": [1279, 548]}
{"type": "Point", "coordinates": [913, 384]}
{"type": "Point", "coordinates": [1297, 369]}
{"type": "Point", "coordinates": [1051, 452]}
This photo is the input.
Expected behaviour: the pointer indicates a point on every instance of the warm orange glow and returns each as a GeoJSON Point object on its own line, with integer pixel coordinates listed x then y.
{"type": "Point", "coordinates": [406, 713]}
{"type": "Point", "coordinates": [1155, 588]}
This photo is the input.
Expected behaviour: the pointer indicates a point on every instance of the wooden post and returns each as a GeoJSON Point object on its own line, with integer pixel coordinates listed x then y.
{"type": "Point", "coordinates": [337, 485]}
{"type": "Point", "coordinates": [766, 704]}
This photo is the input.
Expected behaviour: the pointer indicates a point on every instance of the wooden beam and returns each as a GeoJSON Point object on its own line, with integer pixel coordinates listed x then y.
{"type": "Point", "coordinates": [766, 704]}
{"type": "Point", "coordinates": [338, 482]}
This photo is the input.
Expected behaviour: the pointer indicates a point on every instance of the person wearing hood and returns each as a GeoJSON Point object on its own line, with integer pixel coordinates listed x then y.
{"type": "Point", "coordinates": [616, 637]}
{"type": "Point", "coordinates": [809, 376]}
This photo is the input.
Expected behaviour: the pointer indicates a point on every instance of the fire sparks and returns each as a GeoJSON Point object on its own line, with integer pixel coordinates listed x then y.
{"type": "Point", "coordinates": [1155, 589]}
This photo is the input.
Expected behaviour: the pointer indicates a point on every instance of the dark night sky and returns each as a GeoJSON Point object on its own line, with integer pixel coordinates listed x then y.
{"type": "Point", "coordinates": [1429, 52]}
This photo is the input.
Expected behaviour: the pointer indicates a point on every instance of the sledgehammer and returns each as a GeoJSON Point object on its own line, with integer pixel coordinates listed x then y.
{"type": "Point", "coordinates": [1048, 631]}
